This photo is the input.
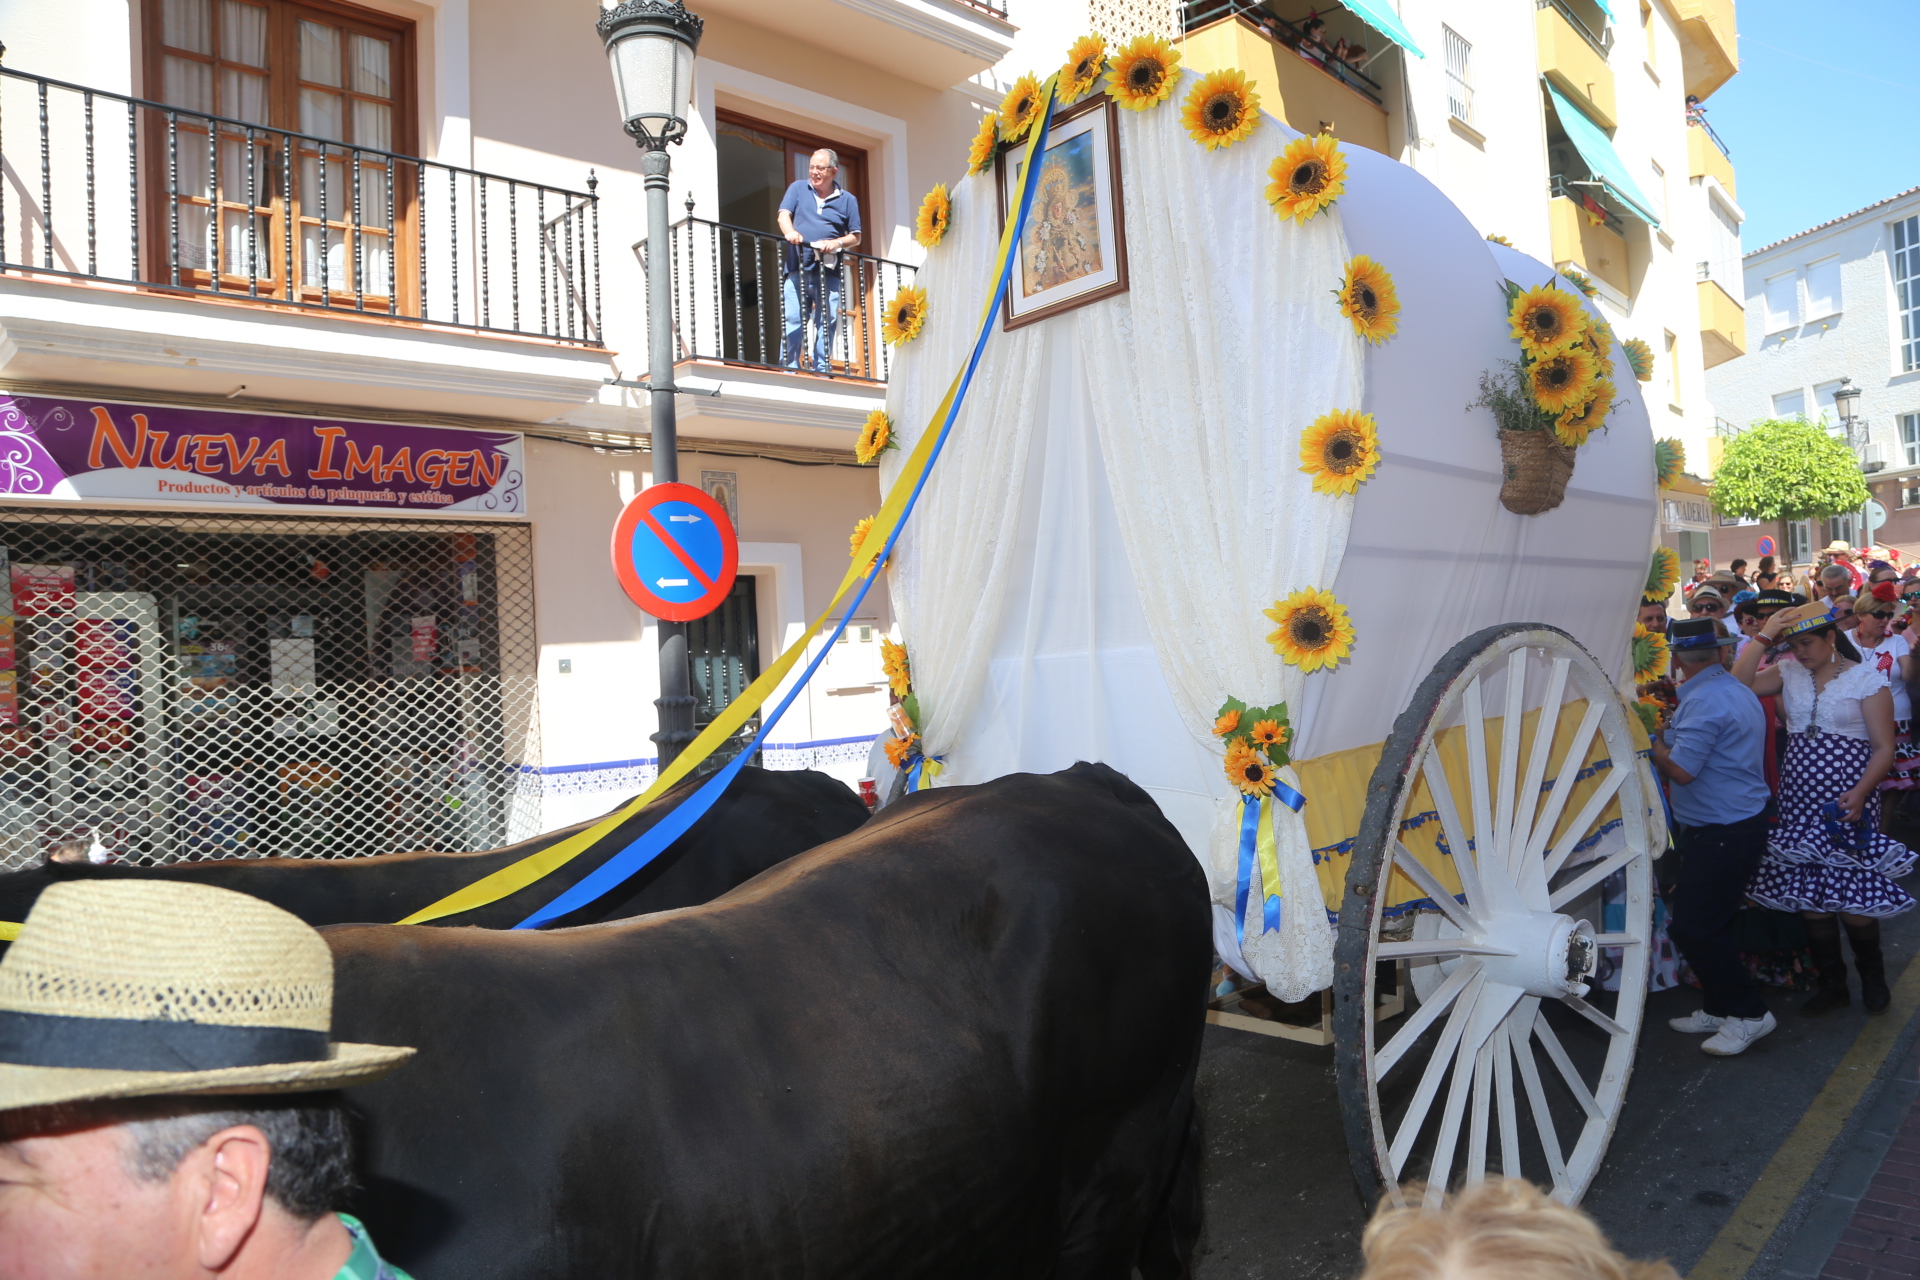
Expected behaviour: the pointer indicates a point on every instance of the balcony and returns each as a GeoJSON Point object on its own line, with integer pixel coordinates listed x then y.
{"type": "Point", "coordinates": [937, 43]}
{"type": "Point", "coordinates": [1709, 56]}
{"type": "Point", "coordinates": [1574, 57]}
{"type": "Point", "coordinates": [1298, 79]}
{"type": "Point", "coordinates": [1597, 250]}
{"type": "Point", "coordinates": [1723, 324]}
{"type": "Point", "coordinates": [1706, 158]}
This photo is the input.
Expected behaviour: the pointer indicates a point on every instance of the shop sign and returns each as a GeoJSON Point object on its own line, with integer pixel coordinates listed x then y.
{"type": "Point", "coordinates": [81, 450]}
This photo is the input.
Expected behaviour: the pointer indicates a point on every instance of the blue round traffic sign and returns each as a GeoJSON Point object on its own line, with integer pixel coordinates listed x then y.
{"type": "Point", "coordinates": [675, 552]}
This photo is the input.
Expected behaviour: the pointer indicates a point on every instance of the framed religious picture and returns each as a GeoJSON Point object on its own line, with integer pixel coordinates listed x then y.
{"type": "Point", "coordinates": [1074, 250]}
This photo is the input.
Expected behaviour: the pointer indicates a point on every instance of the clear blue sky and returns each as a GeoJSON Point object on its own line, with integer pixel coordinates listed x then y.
{"type": "Point", "coordinates": [1822, 119]}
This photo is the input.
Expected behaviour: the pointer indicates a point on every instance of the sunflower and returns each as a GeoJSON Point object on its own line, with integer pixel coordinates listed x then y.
{"type": "Point", "coordinates": [893, 664]}
{"type": "Point", "coordinates": [1562, 381]}
{"type": "Point", "coordinates": [985, 143]}
{"type": "Point", "coordinates": [1600, 342]}
{"type": "Point", "coordinates": [1247, 771]}
{"type": "Point", "coordinates": [900, 750]}
{"type": "Point", "coordinates": [1669, 460]}
{"type": "Point", "coordinates": [1307, 177]}
{"type": "Point", "coordinates": [905, 314]}
{"type": "Point", "coordinates": [1314, 629]}
{"type": "Point", "coordinates": [935, 216]}
{"type": "Point", "coordinates": [1367, 298]}
{"type": "Point", "coordinates": [1649, 654]}
{"type": "Point", "coordinates": [1547, 321]}
{"type": "Point", "coordinates": [1020, 108]}
{"type": "Point", "coordinates": [1269, 733]}
{"type": "Point", "coordinates": [876, 437]}
{"type": "Point", "coordinates": [1143, 74]}
{"type": "Point", "coordinates": [1650, 711]}
{"type": "Point", "coordinates": [1229, 721]}
{"type": "Point", "coordinates": [1085, 61]}
{"type": "Point", "coordinates": [1639, 358]}
{"type": "Point", "coordinates": [1663, 571]}
{"type": "Point", "coordinates": [860, 529]}
{"type": "Point", "coordinates": [1580, 282]}
{"type": "Point", "coordinates": [1221, 109]}
{"type": "Point", "coordinates": [1499, 239]}
{"type": "Point", "coordinates": [1339, 451]}
{"type": "Point", "coordinates": [1576, 424]}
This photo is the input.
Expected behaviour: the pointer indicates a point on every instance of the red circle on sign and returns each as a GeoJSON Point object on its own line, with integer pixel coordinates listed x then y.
{"type": "Point", "coordinates": [1764, 547]}
{"type": "Point", "coordinates": [714, 580]}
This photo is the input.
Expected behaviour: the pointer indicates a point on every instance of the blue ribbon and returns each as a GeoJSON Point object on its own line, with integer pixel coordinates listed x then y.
{"type": "Point", "coordinates": [623, 865]}
{"type": "Point", "coordinates": [1249, 832]}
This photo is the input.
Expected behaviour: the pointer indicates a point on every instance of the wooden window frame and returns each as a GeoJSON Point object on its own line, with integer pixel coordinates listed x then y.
{"type": "Point", "coordinates": [812, 142]}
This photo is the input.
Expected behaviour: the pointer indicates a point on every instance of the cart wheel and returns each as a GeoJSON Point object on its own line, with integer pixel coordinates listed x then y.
{"type": "Point", "coordinates": [1514, 1048]}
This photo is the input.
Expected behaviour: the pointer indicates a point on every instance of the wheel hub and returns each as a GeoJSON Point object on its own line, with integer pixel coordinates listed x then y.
{"type": "Point", "coordinates": [1552, 954]}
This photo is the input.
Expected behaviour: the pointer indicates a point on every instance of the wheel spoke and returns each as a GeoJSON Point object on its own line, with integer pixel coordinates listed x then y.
{"type": "Point", "coordinates": [1463, 860]}
{"type": "Point", "coordinates": [1477, 1119]}
{"type": "Point", "coordinates": [1575, 1085]}
{"type": "Point", "coordinates": [1420, 948]}
{"type": "Point", "coordinates": [1509, 757]}
{"type": "Point", "coordinates": [1591, 876]}
{"type": "Point", "coordinates": [1543, 732]}
{"type": "Point", "coordinates": [1416, 871]}
{"type": "Point", "coordinates": [1565, 779]}
{"type": "Point", "coordinates": [1617, 940]}
{"type": "Point", "coordinates": [1593, 1015]}
{"type": "Point", "coordinates": [1479, 785]}
{"type": "Point", "coordinates": [1413, 1028]}
{"type": "Point", "coordinates": [1536, 1095]}
{"type": "Point", "coordinates": [1490, 1008]}
{"type": "Point", "coordinates": [1577, 830]}
{"type": "Point", "coordinates": [1416, 1113]}
{"type": "Point", "coordinates": [1503, 1081]}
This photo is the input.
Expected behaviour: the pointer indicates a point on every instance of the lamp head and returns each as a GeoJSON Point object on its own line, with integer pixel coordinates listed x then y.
{"type": "Point", "coordinates": [650, 44]}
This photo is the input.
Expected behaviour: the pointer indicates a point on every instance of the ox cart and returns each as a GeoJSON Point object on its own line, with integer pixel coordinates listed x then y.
{"type": "Point", "coordinates": [1465, 887]}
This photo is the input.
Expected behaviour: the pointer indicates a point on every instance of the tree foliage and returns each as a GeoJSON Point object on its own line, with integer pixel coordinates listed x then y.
{"type": "Point", "coordinates": [1787, 469]}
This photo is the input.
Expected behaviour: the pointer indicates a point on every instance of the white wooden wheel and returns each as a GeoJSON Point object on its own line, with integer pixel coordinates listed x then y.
{"type": "Point", "coordinates": [1514, 1060]}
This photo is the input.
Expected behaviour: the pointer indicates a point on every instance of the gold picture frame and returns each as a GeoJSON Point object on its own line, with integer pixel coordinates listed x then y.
{"type": "Point", "coordinates": [1074, 248]}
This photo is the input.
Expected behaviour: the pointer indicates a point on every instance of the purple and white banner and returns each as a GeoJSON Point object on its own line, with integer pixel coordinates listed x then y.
{"type": "Point", "coordinates": [80, 450]}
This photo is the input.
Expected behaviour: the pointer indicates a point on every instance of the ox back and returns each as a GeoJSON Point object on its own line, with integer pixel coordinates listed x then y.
{"type": "Point", "coordinates": [960, 1042]}
{"type": "Point", "coordinates": [764, 817]}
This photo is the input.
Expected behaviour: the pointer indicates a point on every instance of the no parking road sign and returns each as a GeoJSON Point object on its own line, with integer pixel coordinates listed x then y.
{"type": "Point", "coordinates": [675, 552]}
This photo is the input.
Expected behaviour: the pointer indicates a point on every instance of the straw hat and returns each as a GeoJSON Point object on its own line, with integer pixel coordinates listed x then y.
{"type": "Point", "coordinates": [1793, 622]}
{"type": "Point", "coordinates": [1838, 548]}
{"type": "Point", "coordinates": [122, 989]}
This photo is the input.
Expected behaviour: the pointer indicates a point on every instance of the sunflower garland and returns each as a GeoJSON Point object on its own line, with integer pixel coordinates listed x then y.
{"type": "Point", "coordinates": [1639, 358]}
{"type": "Point", "coordinates": [1499, 239]}
{"type": "Point", "coordinates": [1256, 743]}
{"type": "Point", "coordinates": [1669, 460]}
{"type": "Point", "coordinates": [1586, 287]}
{"type": "Point", "coordinates": [893, 664]}
{"type": "Point", "coordinates": [1221, 109]}
{"type": "Point", "coordinates": [1019, 109]}
{"type": "Point", "coordinates": [1547, 321]}
{"type": "Point", "coordinates": [1663, 574]}
{"type": "Point", "coordinates": [1340, 450]}
{"type": "Point", "coordinates": [1085, 61]}
{"type": "Point", "coordinates": [985, 144]}
{"type": "Point", "coordinates": [935, 216]}
{"type": "Point", "coordinates": [1314, 630]}
{"type": "Point", "coordinates": [876, 437]}
{"type": "Point", "coordinates": [1143, 74]}
{"type": "Point", "coordinates": [1561, 382]}
{"type": "Point", "coordinates": [1649, 654]}
{"type": "Point", "coordinates": [1367, 298]}
{"type": "Point", "coordinates": [905, 315]}
{"type": "Point", "coordinates": [1307, 177]}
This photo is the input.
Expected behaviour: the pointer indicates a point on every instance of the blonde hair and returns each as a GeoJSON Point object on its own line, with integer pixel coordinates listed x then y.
{"type": "Point", "coordinates": [1500, 1229]}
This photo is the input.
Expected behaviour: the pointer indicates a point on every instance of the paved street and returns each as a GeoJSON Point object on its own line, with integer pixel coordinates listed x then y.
{"type": "Point", "coordinates": [1696, 1135]}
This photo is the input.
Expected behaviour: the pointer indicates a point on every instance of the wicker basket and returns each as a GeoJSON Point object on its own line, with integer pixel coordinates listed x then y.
{"type": "Point", "coordinates": [1535, 469]}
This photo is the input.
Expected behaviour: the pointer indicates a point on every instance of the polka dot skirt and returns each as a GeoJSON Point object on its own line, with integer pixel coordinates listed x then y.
{"type": "Point", "coordinates": [1803, 869]}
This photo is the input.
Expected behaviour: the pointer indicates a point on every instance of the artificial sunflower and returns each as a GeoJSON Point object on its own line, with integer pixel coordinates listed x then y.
{"type": "Point", "coordinates": [1367, 298]}
{"type": "Point", "coordinates": [1547, 321]}
{"type": "Point", "coordinates": [1314, 629]}
{"type": "Point", "coordinates": [1663, 572]}
{"type": "Point", "coordinates": [1229, 721]}
{"type": "Point", "coordinates": [1499, 239]}
{"type": "Point", "coordinates": [1561, 382]}
{"type": "Point", "coordinates": [1269, 733]}
{"type": "Point", "coordinates": [1650, 711]}
{"type": "Point", "coordinates": [1669, 460]}
{"type": "Point", "coordinates": [1580, 282]}
{"type": "Point", "coordinates": [1221, 109]}
{"type": "Point", "coordinates": [1639, 358]}
{"type": "Point", "coordinates": [900, 750]}
{"type": "Point", "coordinates": [1247, 771]}
{"type": "Point", "coordinates": [893, 664]}
{"type": "Point", "coordinates": [1649, 654]}
{"type": "Point", "coordinates": [1339, 450]}
{"type": "Point", "coordinates": [1307, 177]}
{"type": "Point", "coordinates": [1574, 426]}
{"type": "Point", "coordinates": [1600, 343]}
{"type": "Point", "coordinates": [985, 143]}
{"type": "Point", "coordinates": [905, 314]}
{"type": "Point", "coordinates": [876, 437]}
{"type": "Point", "coordinates": [1020, 108]}
{"type": "Point", "coordinates": [860, 529]}
{"type": "Point", "coordinates": [1085, 61]}
{"type": "Point", "coordinates": [1143, 74]}
{"type": "Point", "coordinates": [935, 216]}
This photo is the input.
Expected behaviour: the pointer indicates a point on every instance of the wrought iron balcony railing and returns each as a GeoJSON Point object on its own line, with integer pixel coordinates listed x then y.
{"type": "Point", "coordinates": [126, 191]}
{"type": "Point", "coordinates": [1198, 13]}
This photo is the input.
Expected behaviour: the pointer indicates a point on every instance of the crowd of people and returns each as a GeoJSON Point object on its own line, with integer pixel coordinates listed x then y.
{"type": "Point", "coordinates": [1786, 747]}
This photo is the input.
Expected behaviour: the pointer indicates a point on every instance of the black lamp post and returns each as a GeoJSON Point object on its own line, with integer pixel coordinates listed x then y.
{"type": "Point", "coordinates": [650, 44]}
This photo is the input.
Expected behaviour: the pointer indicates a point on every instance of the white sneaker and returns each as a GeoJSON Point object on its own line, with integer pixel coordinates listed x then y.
{"type": "Point", "coordinates": [1697, 1023]}
{"type": "Point", "coordinates": [1735, 1034]}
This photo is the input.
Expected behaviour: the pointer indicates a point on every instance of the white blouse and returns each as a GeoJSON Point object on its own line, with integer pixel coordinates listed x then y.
{"type": "Point", "coordinates": [1837, 706]}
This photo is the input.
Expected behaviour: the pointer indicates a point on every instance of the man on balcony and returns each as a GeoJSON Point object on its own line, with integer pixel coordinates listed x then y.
{"type": "Point", "coordinates": [820, 220]}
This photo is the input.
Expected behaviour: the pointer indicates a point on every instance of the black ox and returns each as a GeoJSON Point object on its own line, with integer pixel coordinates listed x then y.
{"type": "Point", "coordinates": [959, 1042]}
{"type": "Point", "coordinates": [764, 817]}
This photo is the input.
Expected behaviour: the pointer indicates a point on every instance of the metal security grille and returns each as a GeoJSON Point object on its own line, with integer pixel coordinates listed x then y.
{"type": "Point", "coordinates": [1906, 285]}
{"type": "Point", "coordinates": [195, 686]}
{"type": "Point", "coordinates": [1459, 76]}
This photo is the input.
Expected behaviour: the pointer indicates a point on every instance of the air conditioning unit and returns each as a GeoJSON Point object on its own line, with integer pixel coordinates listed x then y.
{"type": "Point", "coordinates": [1873, 457]}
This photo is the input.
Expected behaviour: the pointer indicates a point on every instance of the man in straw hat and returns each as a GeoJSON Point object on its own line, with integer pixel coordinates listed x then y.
{"type": "Point", "coordinates": [163, 1061]}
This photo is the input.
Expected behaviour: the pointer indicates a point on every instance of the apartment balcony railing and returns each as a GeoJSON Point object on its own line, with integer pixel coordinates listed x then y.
{"type": "Point", "coordinates": [1198, 13]}
{"type": "Point", "coordinates": [987, 6]}
{"type": "Point", "coordinates": [728, 303]}
{"type": "Point", "coordinates": [124, 191]}
{"type": "Point", "coordinates": [1601, 41]}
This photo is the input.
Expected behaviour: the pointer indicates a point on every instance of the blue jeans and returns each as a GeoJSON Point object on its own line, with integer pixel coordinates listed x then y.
{"type": "Point", "coordinates": [810, 297]}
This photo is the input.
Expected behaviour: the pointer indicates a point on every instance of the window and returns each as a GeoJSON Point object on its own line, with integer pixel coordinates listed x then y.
{"type": "Point", "coordinates": [1910, 438]}
{"type": "Point", "coordinates": [1799, 541]}
{"type": "Point", "coordinates": [1459, 76]}
{"type": "Point", "coordinates": [1646, 20]}
{"type": "Point", "coordinates": [1823, 289]}
{"type": "Point", "coordinates": [1844, 528]}
{"type": "Point", "coordinates": [1782, 297]}
{"type": "Point", "coordinates": [1723, 247]}
{"type": "Point", "coordinates": [1673, 371]}
{"type": "Point", "coordinates": [1906, 283]}
{"type": "Point", "coordinates": [1910, 494]}
{"type": "Point", "coordinates": [1790, 404]}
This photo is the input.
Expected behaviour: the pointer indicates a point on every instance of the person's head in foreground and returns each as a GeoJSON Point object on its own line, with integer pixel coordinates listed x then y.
{"type": "Point", "coordinates": [1699, 643]}
{"type": "Point", "coordinates": [1500, 1229]}
{"type": "Point", "coordinates": [164, 1068]}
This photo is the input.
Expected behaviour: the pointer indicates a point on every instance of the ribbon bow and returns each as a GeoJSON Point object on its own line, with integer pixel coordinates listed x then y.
{"type": "Point", "coordinates": [1257, 843]}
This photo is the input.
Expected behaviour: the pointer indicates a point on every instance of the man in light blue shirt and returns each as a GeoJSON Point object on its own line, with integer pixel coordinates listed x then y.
{"type": "Point", "coordinates": [1712, 755]}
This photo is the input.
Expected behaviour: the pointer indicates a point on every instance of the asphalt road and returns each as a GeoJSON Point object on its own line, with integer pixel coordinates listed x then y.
{"type": "Point", "coordinates": [1696, 1133]}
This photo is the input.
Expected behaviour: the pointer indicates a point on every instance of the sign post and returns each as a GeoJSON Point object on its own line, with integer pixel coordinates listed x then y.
{"type": "Point", "coordinates": [675, 552]}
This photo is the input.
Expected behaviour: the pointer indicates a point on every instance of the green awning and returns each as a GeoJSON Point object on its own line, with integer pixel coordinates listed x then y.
{"type": "Point", "coordinates": [1596, 148]}
{"type": "Point", "coordinates": [1605, 10]}
{"type": "Point", "coordinates": [1379, 15]}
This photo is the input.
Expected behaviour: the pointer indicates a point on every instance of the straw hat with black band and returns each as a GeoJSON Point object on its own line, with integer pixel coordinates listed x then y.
{"type": "Point", "coordinates": [137, 988]}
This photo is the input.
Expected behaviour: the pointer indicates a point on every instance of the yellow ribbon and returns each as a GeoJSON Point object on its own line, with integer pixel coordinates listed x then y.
{"type": "Point", "coordinates": [1269, 852]}
{"type": "Point", "coordinates": [9, 930]}
{"type": "Point", "coordinates": [511, 879]}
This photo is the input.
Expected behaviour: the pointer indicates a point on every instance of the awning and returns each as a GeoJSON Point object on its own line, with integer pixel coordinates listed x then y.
{"type": "Point", "coordinates": [1597, 150]}
{"type": "Point", "coordinates": [1379, 15]}
{"type": "Point", "coordinates": [1605, 10]}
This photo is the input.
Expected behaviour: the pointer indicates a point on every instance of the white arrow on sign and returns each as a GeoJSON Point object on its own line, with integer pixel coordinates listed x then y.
{"type": "Point", "coordinates": [684, 519]}
{"type": "Point", "coordinates": [670, 582]}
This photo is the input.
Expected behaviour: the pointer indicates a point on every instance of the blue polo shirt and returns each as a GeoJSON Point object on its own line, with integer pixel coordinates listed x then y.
{"type": "Point", "coordinates": [1718, 735]}
{"type": "Point", "coordinates": [817, 217]}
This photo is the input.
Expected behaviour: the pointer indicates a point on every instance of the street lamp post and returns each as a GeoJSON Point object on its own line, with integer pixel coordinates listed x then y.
{"type": "Point", "coordinates": [1845, 398]}
{"type": "Point", "coordinates": [650, 44]}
